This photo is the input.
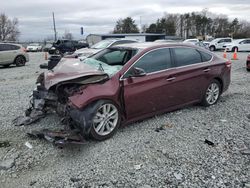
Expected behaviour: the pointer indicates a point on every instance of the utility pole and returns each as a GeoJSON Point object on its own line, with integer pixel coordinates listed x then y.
{"type": "Point", "coordinates": [54, 23]}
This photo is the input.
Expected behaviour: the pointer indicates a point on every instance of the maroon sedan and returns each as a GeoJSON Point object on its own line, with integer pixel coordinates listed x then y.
{"type": "Point", "coordinates": [130, 82]}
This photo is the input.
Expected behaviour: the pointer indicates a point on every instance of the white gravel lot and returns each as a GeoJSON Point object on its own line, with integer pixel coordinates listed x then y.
{"type": "Point", "coordinates": [137, 156]}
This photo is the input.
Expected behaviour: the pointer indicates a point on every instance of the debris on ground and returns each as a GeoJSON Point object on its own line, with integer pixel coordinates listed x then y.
{"type": "Point", "coordinates": [223, 120]}
{"type": "Point", "coordinates": [32, 183]}
{"type": "Point", "coordinates": [28, 145]}
{"type": "Point", "coordinates": [178, 176]}
{"type": "Point", "coordinates": [60, 137]}
{"type": "Point", "coordinates": [137, 167]}
{"type": "Point", "coordinates": [34, 116]}
{"type": "Point", "coordinates": [210, 143]}
{"type": "Point", "coordinates": [245, 152]}
{"type": "Point", "coordinates": [7, 164]}
{"type": "Point", "coordinates": [75, 179]}
{"type": "Point", "coordinates": [163, 127]}
{"type": "Point", "coordinates": [4, 144]}
{"type": "Point", "coordinates": [164, 151]}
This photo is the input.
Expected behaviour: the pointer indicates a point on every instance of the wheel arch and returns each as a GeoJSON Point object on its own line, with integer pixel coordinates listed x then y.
{"type": "Point", "coordinates": [20, 55]}
{"type": "Point", "coordinates": [221, 83]}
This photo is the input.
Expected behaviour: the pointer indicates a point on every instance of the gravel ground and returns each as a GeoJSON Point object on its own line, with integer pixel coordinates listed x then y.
{"type": "Point", "coordinates": [137, 156]}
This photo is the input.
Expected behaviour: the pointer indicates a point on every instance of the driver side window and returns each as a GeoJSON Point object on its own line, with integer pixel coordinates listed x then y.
{"type": "Point", "coordinates": [153, 61]}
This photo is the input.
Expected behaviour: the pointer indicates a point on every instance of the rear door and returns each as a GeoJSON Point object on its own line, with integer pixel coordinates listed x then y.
{"type": "Point", "coordinates": [244, 45]}
{"type": "Point", "coordinates": [7, 54]}
{"type": "Point", "coordinates": [192, 74]}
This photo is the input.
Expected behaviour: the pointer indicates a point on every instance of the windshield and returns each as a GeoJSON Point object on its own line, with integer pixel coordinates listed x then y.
{"type": "Point", "coordinates": [99, 65]}
{"type": "Point", "coordinates": [110, 60]}
{"type": "Point", "coordinates": [102, 44]}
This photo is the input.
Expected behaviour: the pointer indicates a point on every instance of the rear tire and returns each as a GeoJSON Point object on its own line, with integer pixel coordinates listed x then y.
{"type": "Point", "coordinates": [212, 93]}
{"type": "Point", "coordinates": [20, 61]}
{"type": "Point", "coordinates": [235, 48]}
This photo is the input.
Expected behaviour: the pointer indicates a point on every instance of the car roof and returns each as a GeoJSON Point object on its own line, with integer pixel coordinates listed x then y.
{"type": "Point", "coordinates": [152, 45]}
{"type": "Point", "coordinates": [11, 43]}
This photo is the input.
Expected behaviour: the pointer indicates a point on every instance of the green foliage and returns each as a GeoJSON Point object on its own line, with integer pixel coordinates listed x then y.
{"type": "Point", "coordinates": [126, 25]}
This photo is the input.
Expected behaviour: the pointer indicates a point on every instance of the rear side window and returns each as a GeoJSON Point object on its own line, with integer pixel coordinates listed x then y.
{"type": "Point", "coordinates": [205, 56]}
{"type": "Point", "coordinates": [14, 47]}
{"type": "Point", "coordinates": [156, 60]}
{"type": "Point", "coordinates": [227, 40]}
{"type": "Point", "coordinates": [8, 47]}
{"type": "Point", "coordinates": [186, 56]}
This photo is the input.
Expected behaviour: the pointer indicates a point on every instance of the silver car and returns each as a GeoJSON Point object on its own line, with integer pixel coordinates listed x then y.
{"type": "Point", "coordinates": [12, 54]}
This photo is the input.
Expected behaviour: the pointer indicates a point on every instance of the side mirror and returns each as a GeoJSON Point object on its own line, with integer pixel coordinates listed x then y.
{"type": "Point", "coordinates": [138, 72]}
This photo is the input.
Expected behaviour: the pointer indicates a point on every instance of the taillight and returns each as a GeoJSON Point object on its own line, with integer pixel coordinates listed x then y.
{"type": "Point", "coordinates": [228, 64]}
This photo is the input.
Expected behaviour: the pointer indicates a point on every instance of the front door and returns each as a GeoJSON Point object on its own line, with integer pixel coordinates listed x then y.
{"type": "Point", "coordinates": [151, 92]}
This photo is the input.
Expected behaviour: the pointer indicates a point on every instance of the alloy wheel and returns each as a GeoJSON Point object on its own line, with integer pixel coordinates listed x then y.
{"type": "Point", "coordinates": [20, 61]}
{"type": "Point", "coordinates": [213, 93]}
{"type": "Point", "coordinates": [105, 119]}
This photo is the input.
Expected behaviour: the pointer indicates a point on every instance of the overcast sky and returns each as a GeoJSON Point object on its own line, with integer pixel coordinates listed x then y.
{"type": "Point", "coordinates": [96, 16]}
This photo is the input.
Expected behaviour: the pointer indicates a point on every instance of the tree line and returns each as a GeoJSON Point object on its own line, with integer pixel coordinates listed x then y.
{"type": "Point", "coordinates": [189, 25]}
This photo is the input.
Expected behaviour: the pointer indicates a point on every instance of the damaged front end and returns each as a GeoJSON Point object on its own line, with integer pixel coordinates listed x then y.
{"type": "Point", "coordinates": [55, 99]}
{"type": "Point", "coordinates": [52, 96]}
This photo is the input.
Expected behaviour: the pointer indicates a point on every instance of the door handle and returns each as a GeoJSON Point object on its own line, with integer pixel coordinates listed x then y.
{"type": "Point", "coordinates": [206, 70]}
{"type": "Point", "coordinates": [170, 79]}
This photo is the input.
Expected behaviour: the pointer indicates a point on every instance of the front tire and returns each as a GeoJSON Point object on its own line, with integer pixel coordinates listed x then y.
{"type": "Point", "coordinates": [235, 49]}
{"type": "Point", "coordinates": [212, 93]}
{"type": "Point", "coordinates": [105, 120]}
{"type": "Point", "coordinates": [212, 48]}
{"type": "Point", "coordinates": [20, 61]}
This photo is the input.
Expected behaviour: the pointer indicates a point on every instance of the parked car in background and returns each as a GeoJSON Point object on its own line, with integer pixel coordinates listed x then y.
{"type": "Point", "coordinates": [63, 46]}
{"type": "Point", "coordinates": [219, 43]}
{"type": "Point", "coordinates": [47, 47]}
{"type": "Point", "coordinates": [86, 52]}
{"type": "Point", "coordinates": [34, 47]}
{"type": "Point", "coordinates": [239, 45]}
{"type": "Point", "coordinates": [12, 54]}
{"type": "Point", "coordinates": [248, 63]}
{"type": "Point", "coordinates": [166, 40]}
{"type": "Point", "coordinates": [191, 40]}
{"type": "Point", "coordinates": [99, 93]}
{"type": "Point", "coordinates": [194, 42]}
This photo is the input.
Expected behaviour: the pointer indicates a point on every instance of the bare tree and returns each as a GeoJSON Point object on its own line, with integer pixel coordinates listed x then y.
{"type": "Point", "coordinates": [8, 28]}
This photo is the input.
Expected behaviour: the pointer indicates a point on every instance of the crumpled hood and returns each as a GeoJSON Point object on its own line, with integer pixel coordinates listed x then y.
{"type": "Point", "coordinates": [69, 69]}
